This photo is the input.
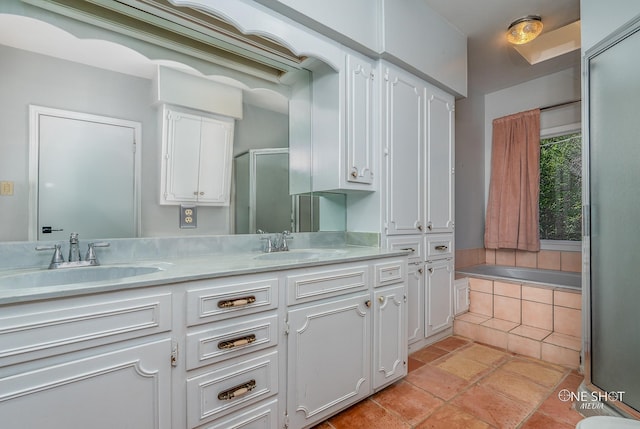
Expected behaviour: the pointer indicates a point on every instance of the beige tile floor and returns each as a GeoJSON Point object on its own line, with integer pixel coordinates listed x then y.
{"type": "Point", "coordinates": [457, 383]}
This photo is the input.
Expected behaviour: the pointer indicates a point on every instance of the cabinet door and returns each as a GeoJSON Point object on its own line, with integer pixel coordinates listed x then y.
{"type": "Point", "coordinates": [439, 161]}
{"type": "Point", "coordinates": [404, 140]}
{"type": "Point", "coordinates": [125, 388]}
{"type": "Point", "coordinates": [360, 131]}
{"type": "Point", "coordinates": [439, 299]}
{"type": "Point", "coordinates": [415, 300]}
{"type": "Point", "coordinates": [196, 159]}
{"type": "Point", "coordinates": [181, 157]}
{"type": "Point", "coordinates": [214, 178]}
{"type": "Point", "coordinates": [389, 335]}
{"type": "Point", "coordinates": [329, 358]}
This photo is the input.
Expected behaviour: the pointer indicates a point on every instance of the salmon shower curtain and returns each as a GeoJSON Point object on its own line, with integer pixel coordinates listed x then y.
{"type": "Point", "coordinates": [512, 210]}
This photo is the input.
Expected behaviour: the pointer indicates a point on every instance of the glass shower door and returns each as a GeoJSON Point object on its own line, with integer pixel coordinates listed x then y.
{"type": "Point", "coordinates": [613, 198]}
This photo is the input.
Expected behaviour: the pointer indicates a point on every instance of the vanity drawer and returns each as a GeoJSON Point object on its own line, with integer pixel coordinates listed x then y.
{"type": "Point", "coordinates": [231, 338]}
{"type": "Point", "coordinates": [439, 246]}
{"type": "Point", "coordinates": [211, 300]}
{"type": "Point", "coordinates": [391, 272]}
{"type": "Point", "coordinates": [59, 326]}
{"type": "Point", "coordinates": [230, 386]}
{"type": "Point", "coordinates": [318, 284]}
{"type": "Point", "coordinates": [413, 244]}
{"type": "Point", "coordinates": [261, 416]}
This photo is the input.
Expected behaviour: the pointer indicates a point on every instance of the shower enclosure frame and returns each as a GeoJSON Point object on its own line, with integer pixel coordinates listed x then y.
{"type": "Point", "coordinates": [629, 29]}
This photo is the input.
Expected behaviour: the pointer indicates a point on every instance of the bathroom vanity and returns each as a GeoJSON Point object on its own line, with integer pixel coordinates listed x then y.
{"type": "Point", "coordinates": [258, 340]}
{"type": "Point", "coordinates": [225, 336]}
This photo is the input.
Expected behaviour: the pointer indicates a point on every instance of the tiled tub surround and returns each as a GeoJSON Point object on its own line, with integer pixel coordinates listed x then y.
{"type": "Point", "coordinates": [544, 259]}
{"type": "Point", "coordinates": [533, 320]}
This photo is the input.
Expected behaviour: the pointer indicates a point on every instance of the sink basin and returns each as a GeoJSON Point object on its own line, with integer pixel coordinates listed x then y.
{"type": "Point", "coordinates": [63, 276]}
{"type": "Point", "coordinates": [300, 255]}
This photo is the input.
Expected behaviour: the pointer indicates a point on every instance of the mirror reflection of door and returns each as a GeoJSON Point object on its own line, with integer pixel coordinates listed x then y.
{"type": "Point", "coordinates": [84, 173]}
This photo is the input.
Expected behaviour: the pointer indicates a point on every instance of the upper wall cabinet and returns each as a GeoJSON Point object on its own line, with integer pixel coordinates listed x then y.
{"type": "Point", "coordinates": [439, 158]}
{"type": "Point", "coordinates": [360, 132]}
{"type": "Point", "coordinates": [418, 131]}
{"type": "Point", "coordinates": [196, 158]}
{"type": "Point", "coordinates": [403, 147]}
{"type": "Point", "coordinates": [343, 127]}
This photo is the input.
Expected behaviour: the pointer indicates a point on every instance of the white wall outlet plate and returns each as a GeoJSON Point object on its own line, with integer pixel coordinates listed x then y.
{"type": "Point", "coordinates": [188, 216]}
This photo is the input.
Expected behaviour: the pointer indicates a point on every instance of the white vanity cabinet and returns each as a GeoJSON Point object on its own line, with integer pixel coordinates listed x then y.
{"type": "Point", "coordinates": [99, 361]}
{"type": "Point", "coordinates": [346, 336]}
{"type": "Point", "coordinates": [438, 300]}
{"type": "Point", "coordinates": [328, 341]}
{"type": "Point", "coordinates": [415, 302]}
{"type": "Point", "coordinates": [282, 348]}
{"type": "Point", "coordinates": [415, 283]}
{"type": "Point", "coordinates": [231, 352]}
{"type": "Point", "coordinates": [196, 157]}
{"type": "Point", "coordinates": [418, 197]}
{"type": "Point", "coordinates": [390, 347]}
{"type": "Point", "coordinates": [344, 133]}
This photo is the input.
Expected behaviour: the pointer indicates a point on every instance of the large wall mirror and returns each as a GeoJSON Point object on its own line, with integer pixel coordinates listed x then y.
{"type": "Point", "coordinates": [104, 61]}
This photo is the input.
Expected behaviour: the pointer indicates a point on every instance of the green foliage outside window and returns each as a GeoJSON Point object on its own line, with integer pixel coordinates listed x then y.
{"type": "Point", "coordinates": [561, 187]}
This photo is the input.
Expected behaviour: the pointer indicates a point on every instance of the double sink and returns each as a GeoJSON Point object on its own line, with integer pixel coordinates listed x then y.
{"type": "Point", "coordinates": [66, 276]}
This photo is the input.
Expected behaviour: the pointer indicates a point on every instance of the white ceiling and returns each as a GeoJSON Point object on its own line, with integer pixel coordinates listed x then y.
{"type": "Point", "coordinates": [493, 63]}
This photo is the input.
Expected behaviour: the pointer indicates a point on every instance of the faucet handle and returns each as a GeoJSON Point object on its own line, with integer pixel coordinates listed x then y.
{"type": "Point", "coordinates": [268, 248]}
{"type": "Point", "coordinates": [57, 257]}
{"type": "Point", "coordinates": [286, 235]}
{"type": "Point", "coordinates": [91, 254]}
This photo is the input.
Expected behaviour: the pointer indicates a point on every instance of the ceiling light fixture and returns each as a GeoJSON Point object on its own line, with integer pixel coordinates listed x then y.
{"type": "Point", "coordinates": [524, 30]}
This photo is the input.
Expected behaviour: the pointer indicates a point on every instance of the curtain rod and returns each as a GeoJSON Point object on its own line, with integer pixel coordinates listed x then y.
{"type": "Point", "coordinates": [566, 103]}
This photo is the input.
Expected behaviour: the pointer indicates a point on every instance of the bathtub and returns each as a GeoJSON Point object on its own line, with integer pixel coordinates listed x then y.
{"type": "Point", "coordinates": [552, 278]}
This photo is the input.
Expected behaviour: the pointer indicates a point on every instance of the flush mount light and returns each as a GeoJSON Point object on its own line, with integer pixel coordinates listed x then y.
{"type": "Point", "coordinates": [524, 30]}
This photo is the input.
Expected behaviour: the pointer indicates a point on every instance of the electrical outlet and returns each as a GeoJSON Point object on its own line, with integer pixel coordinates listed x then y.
{"type": "Point", "coordinates": [6, 188]}
{"type": "Point", "coordinates": [188, 216]}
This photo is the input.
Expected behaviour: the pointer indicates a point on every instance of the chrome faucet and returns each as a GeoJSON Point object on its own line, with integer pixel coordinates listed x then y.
{"type": "Point", "coordinates": [74, 248]}
{"type": "Point", "coordinates": [277, 243]}
{"type": "Point", "coordinates": [283, 246]}
{"type": "Point", "coordinates": [75, 260]}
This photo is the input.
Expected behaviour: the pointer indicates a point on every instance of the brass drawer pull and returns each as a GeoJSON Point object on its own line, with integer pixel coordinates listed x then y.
{"type": "Point", "coordinates": [236, 342]}
{"type": "Point", "coordinates": [237, 391]}
{"type": "Point", "coordinates": [442, 247]}
{"type": "Point", "coordinates": [237, 302]}
{"type": "Point", "coordinates": [410, 249]}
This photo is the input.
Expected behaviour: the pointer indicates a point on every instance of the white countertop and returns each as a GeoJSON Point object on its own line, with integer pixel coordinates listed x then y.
{"type": "Point", "coordinates": [187, 269]}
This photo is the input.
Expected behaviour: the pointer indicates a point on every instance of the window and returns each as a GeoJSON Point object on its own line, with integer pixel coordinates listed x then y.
{"type": "Point", "coordinates": [561, 187]}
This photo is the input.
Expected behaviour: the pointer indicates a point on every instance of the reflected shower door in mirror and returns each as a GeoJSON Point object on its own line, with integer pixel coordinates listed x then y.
{"type": "Point", "coordinates": [262, 192]}
{"type": "Point", "coordinates": [72, 64]}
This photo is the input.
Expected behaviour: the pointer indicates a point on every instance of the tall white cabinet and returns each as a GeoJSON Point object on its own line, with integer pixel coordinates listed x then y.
{"type": "Point", "coordinates": [417, 128]}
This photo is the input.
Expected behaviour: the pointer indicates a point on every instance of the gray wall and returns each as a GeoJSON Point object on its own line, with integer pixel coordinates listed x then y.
{"type": "Point", "coordinates": [470, 201]}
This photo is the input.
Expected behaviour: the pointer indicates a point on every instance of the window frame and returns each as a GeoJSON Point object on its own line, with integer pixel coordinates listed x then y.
{"type": "Point", "coordinates": [561, 245]}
